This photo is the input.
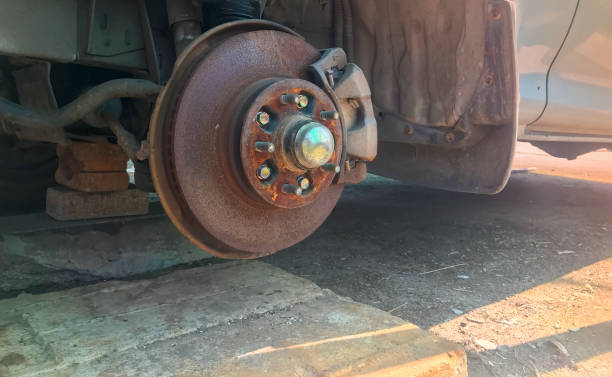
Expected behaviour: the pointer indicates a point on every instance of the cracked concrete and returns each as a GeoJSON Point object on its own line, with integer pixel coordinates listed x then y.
{"type": "Point", "coordinates": [230, 319]}
{"type": "Point", "coordinates": [64, 252]}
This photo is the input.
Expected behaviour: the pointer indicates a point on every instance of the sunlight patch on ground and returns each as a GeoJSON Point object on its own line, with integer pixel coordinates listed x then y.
{"type": "Point", "coordinates": [579, 299]}
{"type": "Point", "coordinates": [560, 328]}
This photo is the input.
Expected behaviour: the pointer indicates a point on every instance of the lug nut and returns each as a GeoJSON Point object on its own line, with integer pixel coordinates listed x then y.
{"type": "Point", "coordinates": [290, 99]}
{"type": "Point", "coordinates": [265, 147]}
{"type": "Point", "coordinates": [263, 118]}
{"type": "Point", "coordinates": [292, 189]}
{"type": "Point", "coordinates": [330, 115]}
{"type": "Point", "coordinates": [304, 183]}
{"type": "Point", "coordinates": [331, 167]}
{"type": "Point", "coordinates": [264, 172]}
{"type": "Point", "coordinates": [302, 101]}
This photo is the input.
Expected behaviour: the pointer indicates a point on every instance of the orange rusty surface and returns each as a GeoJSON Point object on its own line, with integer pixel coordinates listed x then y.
{"type": "Point", "coordinates": [594, 166]}
{"type": "Point", "coordinates": [285, 171]}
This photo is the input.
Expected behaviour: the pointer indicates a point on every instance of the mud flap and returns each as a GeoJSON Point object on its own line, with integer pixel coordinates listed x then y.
{"type": "Point", "coordinates": [445, 90]}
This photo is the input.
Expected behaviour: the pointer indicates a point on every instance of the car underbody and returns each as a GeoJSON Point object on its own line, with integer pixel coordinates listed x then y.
{"type": "Point", "coordinates": [248, 117]}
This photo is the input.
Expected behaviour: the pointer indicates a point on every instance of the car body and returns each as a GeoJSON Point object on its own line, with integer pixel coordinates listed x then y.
{"type": "Point", "coordinates": [564, 54]}
{"type": "Point", "coordinates": [248, 117]}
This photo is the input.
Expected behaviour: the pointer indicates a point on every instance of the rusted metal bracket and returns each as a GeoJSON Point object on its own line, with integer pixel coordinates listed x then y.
{"type": "Point", "coordinates": [399, 130]}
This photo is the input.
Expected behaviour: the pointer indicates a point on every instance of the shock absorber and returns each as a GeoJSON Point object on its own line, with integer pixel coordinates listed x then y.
{"type": "Point", "coordinates": [185, 19]}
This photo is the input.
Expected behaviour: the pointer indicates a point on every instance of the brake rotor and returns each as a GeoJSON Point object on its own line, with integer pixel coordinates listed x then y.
{"type": "Point", "coordinates": [210, 145]}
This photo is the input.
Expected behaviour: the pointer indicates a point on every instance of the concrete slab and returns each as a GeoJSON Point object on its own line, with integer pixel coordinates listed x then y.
{"type": "Point", "coordinates": [67, 204]}
{"type": "Point", "coordinates": [22, 223]}
{"type": "Point", "coordinates": [229, 319]}
{"type": "Point", "coordinates": [36, 252]}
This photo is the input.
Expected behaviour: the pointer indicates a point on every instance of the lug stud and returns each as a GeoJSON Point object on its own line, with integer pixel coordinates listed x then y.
{"type": "Point", "coordinates": [264, 172]}
{"type": "Point", "coordinates": [302, 101]}
{"type": "Point", "coordinates": [292, 189]}
{"type": "Point", "coordinates": [263, 118]}
{"type": "Point", "coordinates": [265, 147]}
{"type": "Point", "coordinates": [304, 183]}
{"type": "Point", "coordinates": [330, 115]}
{"type": "Point", "coordinates": [449, 137]}
{"type": "Point", "coordinates": [290, 99]}
{"type": "Point", "coordinates": [331, 167]}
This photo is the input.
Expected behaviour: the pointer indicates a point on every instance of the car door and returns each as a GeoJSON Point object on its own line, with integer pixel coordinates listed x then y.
{"type": "Point", "coordinates": [542, 26]}
{"type": "Point", "coordinates": [579, 90]}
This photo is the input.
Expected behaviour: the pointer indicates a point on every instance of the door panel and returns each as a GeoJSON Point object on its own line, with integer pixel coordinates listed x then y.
{"type": "Point", "coordinates": [580, 81]}
{"type": "Point", "coordinates": [542, 26]}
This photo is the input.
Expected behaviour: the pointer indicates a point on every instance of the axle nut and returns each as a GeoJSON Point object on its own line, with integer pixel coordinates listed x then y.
{"type": "Point", "coordinates": [314, 145]}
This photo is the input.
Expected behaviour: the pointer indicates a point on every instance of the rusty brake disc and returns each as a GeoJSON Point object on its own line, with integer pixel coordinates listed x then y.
{"type": "Point", "coordinates": [210, 143]}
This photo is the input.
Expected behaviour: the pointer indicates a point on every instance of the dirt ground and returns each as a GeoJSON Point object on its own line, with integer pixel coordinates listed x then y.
{"type": "Point", "coordinates": [522, 279]}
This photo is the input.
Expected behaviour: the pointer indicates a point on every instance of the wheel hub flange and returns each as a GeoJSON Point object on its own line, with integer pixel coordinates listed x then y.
{"type": "Point", "coordinates": [303, 141]}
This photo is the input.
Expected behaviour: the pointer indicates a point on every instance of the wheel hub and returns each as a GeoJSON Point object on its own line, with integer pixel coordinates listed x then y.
{"type": "Point", "coordinates": [292, 144]}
